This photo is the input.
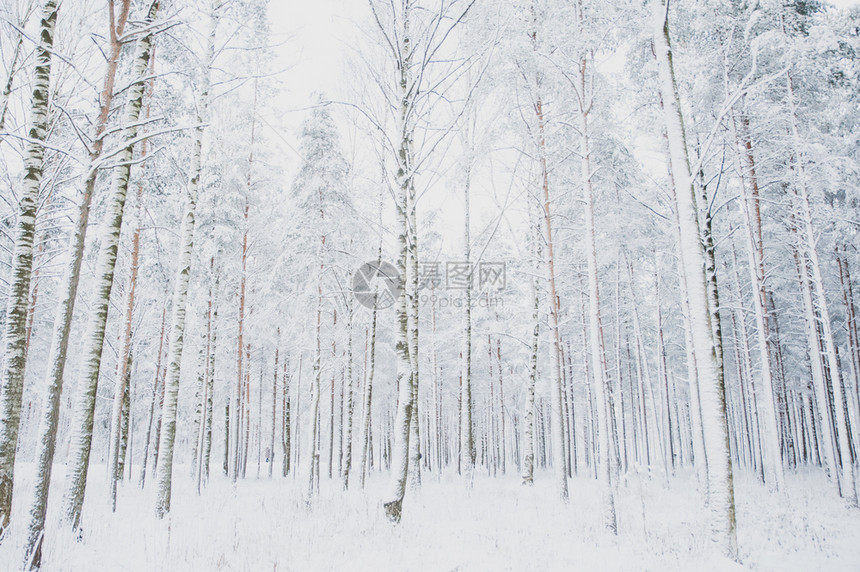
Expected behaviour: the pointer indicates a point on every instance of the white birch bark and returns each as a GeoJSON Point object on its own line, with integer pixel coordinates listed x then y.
{"type": "Point", "coordinates": [557, 417]}
{"type": "Point", "coordinates": [164, 476]}
{"type": "Point", "coordinates": [596, 343]}
{"type": "Point", "coordinates": [123, 375]}
{"type": "Point", "coordinates": [13, 69]}
{"type": "Point", "coordinates": [404, 178]}
{"type": "Point", "coordinates": [313, 452]}
{"type": "Point", "coordinates": [203, 472]}
{"type": "Point", "coordinates": [367, 397]}
{"type": "Point", "coordinates": [141, 482]}
{"type": "Point", "coordinates": [467, 440]}
{"type": "Point", "coordinates": [529, 413]}
{"type": "Point", "coordinates": [79, 455]}
{"type": "Point", "coordinates": [347, 460]}
{"type": "Point", "coordinates": [692, 253]}
{"type": "Point", "coordinates": [15, 350]}
{"type": "Point", "coordinates": [274, 405]}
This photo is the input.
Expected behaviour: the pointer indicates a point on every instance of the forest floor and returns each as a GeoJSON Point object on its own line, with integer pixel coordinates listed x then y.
{"type": "Point", "coordinates": [497, 524]}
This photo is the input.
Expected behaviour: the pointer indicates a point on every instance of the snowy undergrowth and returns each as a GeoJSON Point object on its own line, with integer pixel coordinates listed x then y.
{"type": "Point", "coordinates": [495, 525]}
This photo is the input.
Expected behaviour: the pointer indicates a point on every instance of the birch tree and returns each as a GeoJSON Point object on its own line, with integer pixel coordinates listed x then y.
{"type": "Point", "coordinates": [15, 353]}
{"type": "Point", "coordinates": [183, 274]}
{"type": "Point", "coordinates": [692, 253]}
{"type": "Point", "coordinates": [88, 378]}
{"type": "Point", "coordinates": [596, 343]}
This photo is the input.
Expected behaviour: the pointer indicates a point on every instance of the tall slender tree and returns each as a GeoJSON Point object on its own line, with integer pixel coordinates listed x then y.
{"type": "Point", "coordinates": [15, 353]}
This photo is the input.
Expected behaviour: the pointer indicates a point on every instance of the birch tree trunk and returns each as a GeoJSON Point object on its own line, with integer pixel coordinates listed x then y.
{"type": "Point", "coordinates": [274, 405]}
{"type": "Point", "coordinates": [313, 451]}
{"type": "Point", "coordinates": [467, 440]}
{"type": "Point", "coordinates": [557, 418]}
{"type": "Point", "coordinates": [153, 401]}
{"type": "Point", "coordinates": [528, 468]}
{"type": "Point", "coordinates": [848, 486]}
{"type": "Point", "coordinates": [210, 380]}
{"type": "Point", "coordinates": [10, 77]}
{"type": "Point", "coordinates": [79, 456]}
{"type": "Point", "coordinates": [596, 342]}
{"type": "Point", "coordinates": [164, 476]}
{"type": "Point", "coordinates": [203, 439]}
{"type": "Point", "coordinates": [405, 183]}
{"type": "Point", "coordinates": [367, 398]}
{"type": "Point", "coordinates": [125, 352]}
{"type": "Point", "coordinates": [15, 355]}
{"type": "Point", "coordinates": [347, 461]}
{"type": "Point", "coordinates": [285, 419]}
{"type": "Point", "coordinates": [692, 253]}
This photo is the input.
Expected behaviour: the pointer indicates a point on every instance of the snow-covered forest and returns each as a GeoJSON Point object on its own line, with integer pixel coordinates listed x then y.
{"type": "Point", "coordinates": [429, 285]}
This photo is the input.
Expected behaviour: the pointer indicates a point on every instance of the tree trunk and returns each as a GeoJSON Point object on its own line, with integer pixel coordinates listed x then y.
{"type": "Point", "coordinates": [772, 460]}
{"type": "Point", "coordinates": [153, 401]}
{"type": "Point", "coordinates": [596, 342]}
{"type": "Point", "coordinates": [271, 455]}
{"type": "Point", "coordinates": [555, 389]}
{"type": "Point", "coordinates": [849, 492]}
{"type": "Point", "coordinates": [79, 456]}
{"type": "Point", "coordinates": [467, 440]}
{"type": "Point", "coordinates": [285, 420]}
{"type": "Point", "coordinates": [347, 461]}
{"type": "Point", "coordinates": [405, 183]}
{"type": "Point", "coordinates": [14, 355]}
{"type": "Point", "coordinates": [692, 253]}
{"type": "Point", "coordinates": [180, 288]}
{"type": "Point", "coordinates": [528, 465]}
{"type": "Point", "coordinates": [125, 352]}
{"type": "Point", "coordinates": [210, 378]}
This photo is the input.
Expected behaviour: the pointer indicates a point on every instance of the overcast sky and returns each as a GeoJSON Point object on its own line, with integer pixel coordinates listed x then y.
{"type": "Point", "coordinates": [313, 38]}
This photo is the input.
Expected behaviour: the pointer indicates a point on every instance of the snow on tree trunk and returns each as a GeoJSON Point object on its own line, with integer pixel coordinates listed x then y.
{"type": "Point", "coordinates": [467, 440]}
{"type": "Point", "coordinates": [367, 398]}
{"type": "Point", "coordinates": [848, 485]}
{"type": "Point", "coordinates": [152, 404]}
{"type": "Point", "coordinates": [79, 455]}
{"type": "Point", "coordinates": [824, 420]}
{"type": "Point", "coordinates": [347, 461]}
{"type": "Point", "coordinates": [274, 405]}
{"type": "Point", "coordinates": [596, 342]}
{"type": "Point", "coordinates": [285, 420]}
{"type": "Point", "coordinates": [691, 249]}
{"type": "Point", "coordinates": [210, 380]}
{"type": "Point", "coordinates": [772, 460]}
{"type": "Point", "coordinates": [557, 418]}
{"type": "Point", "coordinates": [405, 184]}
{"type": "Point", "coordinates": [14, 355]}
{"type": "Point", "coordinates": [313, 452]}
{"type": "Point", "coordinates": [164, 475]}
{"type": "Point", "coordinates": [116, 414]}
{"type": "Point", "coordinates": [528, 468]}
{"type": "Point", "coordinates": [10, 78]}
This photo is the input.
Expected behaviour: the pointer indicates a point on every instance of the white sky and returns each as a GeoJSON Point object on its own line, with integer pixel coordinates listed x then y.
{"type": "Point", "coordinates": [311, 37]}
{"type": "Point", "coordinates": [314, 38]}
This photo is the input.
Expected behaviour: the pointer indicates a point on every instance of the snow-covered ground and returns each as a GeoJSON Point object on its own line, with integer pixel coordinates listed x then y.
{"type": "Point", "coordinates": [263, 525]}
